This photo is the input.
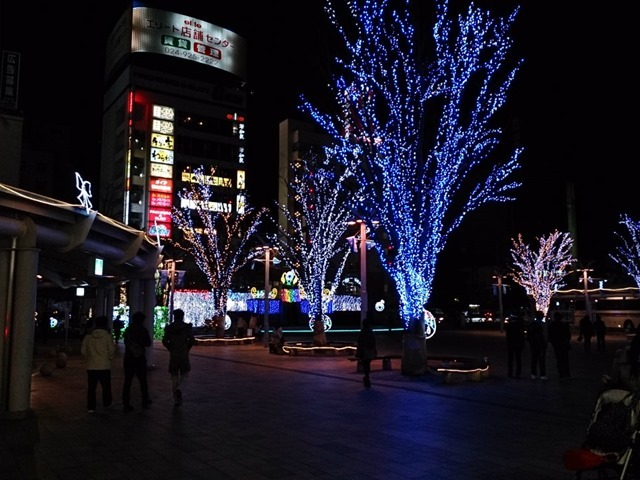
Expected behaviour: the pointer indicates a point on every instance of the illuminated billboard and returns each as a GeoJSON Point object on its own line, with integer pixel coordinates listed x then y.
{"type": "Point", "coordinates": [161, 170]}
{"type": "Point", "coordinates": [182, 36]}
{"type": "Point", "coordinates": [159, 199]}
{"type": "Point", "coordinates": [161, 155]}
{"type": "Point", "coordinates": [162, 126]}
{"type": "Point", "coordinates": [159, 215]}
{"type": "Point", "coordinates": [160, 229]}
{"type": "Point", "coordinates": [162, 141]}
{"type": "Point", "coordinates": [162, 185]}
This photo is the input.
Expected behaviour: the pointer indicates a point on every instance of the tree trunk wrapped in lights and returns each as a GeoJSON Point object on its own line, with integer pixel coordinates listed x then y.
{"type": "Point", "coordinates": [312, 242]}
{"type": "Point", "coordinates": [220, 242]}
{"type": "Point", "coordinates": [418, 135]}
{"type": "Point", "coordinates": [541, 271]}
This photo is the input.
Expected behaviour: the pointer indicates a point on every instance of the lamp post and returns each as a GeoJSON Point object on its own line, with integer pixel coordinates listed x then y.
{"type": "Point", "coordinates": [171, 274]}
{"type": "Point", "coordinates": [267, 262]}
{"type": "Point", "coordinates": [500, 307]}
{"type": "Point", "coordinates": [364, 298]}
{"type": "Point", "coordinates": [585, 282]}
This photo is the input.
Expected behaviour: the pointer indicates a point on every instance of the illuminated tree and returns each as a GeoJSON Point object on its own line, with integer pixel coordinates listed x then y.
{"type": "Point", "coordinates": [313, 242]}
{"type": "Point", "coordinates": [219, 240]}
{"type": "Point", "coordinates": [541, 271]}
{"type": "Point", "coordinates": [627, 255]}
{"type": "Point", "coordinates": [419, 135]}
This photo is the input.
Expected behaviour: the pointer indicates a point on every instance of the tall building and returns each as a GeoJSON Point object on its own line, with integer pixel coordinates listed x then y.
{"type": "Point", "coordinates": [297, 139]}
{"type": "Point", "coordinates": [175, 101]}
{"type": "Point", "coordinates": [11, 121]}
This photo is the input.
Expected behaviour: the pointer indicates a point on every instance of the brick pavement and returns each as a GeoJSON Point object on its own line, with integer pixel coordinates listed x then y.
{"type": "Point", "coordinates": [251, 415]}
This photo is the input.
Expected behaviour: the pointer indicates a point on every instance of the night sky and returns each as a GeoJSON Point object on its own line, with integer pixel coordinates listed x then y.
{"type": "Point", "coordinates": [568, 106]}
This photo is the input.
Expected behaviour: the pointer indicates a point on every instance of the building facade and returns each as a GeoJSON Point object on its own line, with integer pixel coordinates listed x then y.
{"type": "Point", "coordinates": [175, 102]}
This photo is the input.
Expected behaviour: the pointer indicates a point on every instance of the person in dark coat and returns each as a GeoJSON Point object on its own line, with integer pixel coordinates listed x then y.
{"type": "Point", "coordinates": [538, 344]}
{"type": "Point", "coordinates": [366, 350]}
{"type": "Point", "coordinates": [586, 332]}
{"type": "Point", "coordinates": [136, 340]}
{"type": "Point", "coordinates": [515, 335]}
{"type": "Point", "coordinates": [178, 339]}
{"type": "Point", "coordinates": [118, 325]}
{"type": "Point", "coordinates": [560, 340]}
{"type": "Point", "coordinates": [276, 342]}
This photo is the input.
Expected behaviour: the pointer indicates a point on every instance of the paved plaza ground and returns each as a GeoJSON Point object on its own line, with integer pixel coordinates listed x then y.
{"type": "Point", "coordinates": [251, 415]}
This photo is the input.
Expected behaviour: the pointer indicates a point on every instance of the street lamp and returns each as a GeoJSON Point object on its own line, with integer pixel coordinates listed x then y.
{"type": "Point", "coordinates": [171, 274]}
{"type": "Point", "coordinates": [500, 307]}
{"type": "Point", "coordinates": [364, 298]}
{"type": "Point", "coordinates": [585, 282]}
{"type": "Point", "coordinates": [267, 261]}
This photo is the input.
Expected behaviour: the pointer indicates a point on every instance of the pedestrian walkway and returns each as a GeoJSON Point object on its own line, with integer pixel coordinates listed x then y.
{"type": "Point", "coordinates": [251, 415]}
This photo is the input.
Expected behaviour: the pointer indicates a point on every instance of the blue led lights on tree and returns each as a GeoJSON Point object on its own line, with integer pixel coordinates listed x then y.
{"type": "Point", "coordinates": [627, 253]}
{"type": "Point", "coordinates": [417, 134]}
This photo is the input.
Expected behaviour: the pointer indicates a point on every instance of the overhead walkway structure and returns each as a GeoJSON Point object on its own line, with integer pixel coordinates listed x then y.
{"type": "Point", "coordinates": [47, 240]}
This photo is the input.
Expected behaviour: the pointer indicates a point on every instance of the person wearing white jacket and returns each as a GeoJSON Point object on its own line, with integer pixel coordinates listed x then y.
{"type": "Point", "coordinates": [98, 349]}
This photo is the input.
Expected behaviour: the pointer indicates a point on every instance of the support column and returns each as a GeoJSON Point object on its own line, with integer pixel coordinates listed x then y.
{"type": "Point", "coordinates": [149, 288]}
{"type": "Point", "coordinates": [135, 296]}
{"type": "Point", "coordinates": [23, 334]}
{"type": "Point", "coordinates": [7, 285]}
{"type": "Point", "coordinates": [109, 296]}
{"type": "Point", "coordinates": [100, 301]}
{"type": "Point", "coordinates": [19, 267]}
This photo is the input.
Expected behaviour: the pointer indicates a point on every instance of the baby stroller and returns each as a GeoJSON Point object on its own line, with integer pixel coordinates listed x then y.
{"type": "Point", "coordinates": [609, 449]}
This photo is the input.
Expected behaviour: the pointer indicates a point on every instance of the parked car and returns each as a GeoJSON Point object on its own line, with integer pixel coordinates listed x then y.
{"type": "Point", "coordinates": [489, 316]}
{"type": "Point", "coordinates": [439, 315]}
{"type": "Point", "coordinates": [483, 316]}
{"type": "Point", "coordinates": [433, 318]}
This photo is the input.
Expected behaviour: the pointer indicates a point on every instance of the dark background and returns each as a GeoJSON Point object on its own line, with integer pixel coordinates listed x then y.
{"type": "Point", "coordinates": [570, 106]}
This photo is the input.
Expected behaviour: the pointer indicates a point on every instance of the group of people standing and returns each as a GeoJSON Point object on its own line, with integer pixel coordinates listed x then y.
{"type": "Point", "coordinates": [558, 335]}
{"type": "Point", "coordinates": [518, 335]}
{"type": "Point", "coordinates": [99, 349]}
{"type": "Point", "coordinates": [589, 329]}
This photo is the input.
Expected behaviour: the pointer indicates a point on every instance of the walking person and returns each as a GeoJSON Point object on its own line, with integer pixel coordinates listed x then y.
{"type": "Point", "coordinates": [276, 343]}
{"type": "Point", "coordinates": [586, 332]}
{"type": "Point", "coordinates": [178, 339]}
{"type": "Point", "coordinates": [538, 344]}
{"type": "Point", "coordinates": [118, 325]}
{"type": "Point", "coordinates": [600, 330]}
{"type": "Point", "coordinates": [515, 335]}
{"type": "Point", "coordinates": [98, 350]}
{"type": "Point", "coordinates": [241, 327]}
{"type": "Point", "coordinates": [136, 340]}
{"type": "Point", "coordinates": [560, 340]}
{"type": "Point", "coordinates": [253, 327]}
{"type": "Point", "coordinates": [366, 350]}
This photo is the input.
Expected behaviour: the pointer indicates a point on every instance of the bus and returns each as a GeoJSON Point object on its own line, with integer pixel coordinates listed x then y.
{"type": "Point", "coordinates": [619, 308]}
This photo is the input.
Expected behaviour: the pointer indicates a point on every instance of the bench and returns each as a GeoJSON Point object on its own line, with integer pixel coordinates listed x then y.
{"type": "Point", "coordinates": [213, 340]}
{"type": "Point", "coordinates": [451, 367]}
{"type": "Point", "coordinates": [386, 361]}
{"type": "Point", "coordinates": [308, 348]}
